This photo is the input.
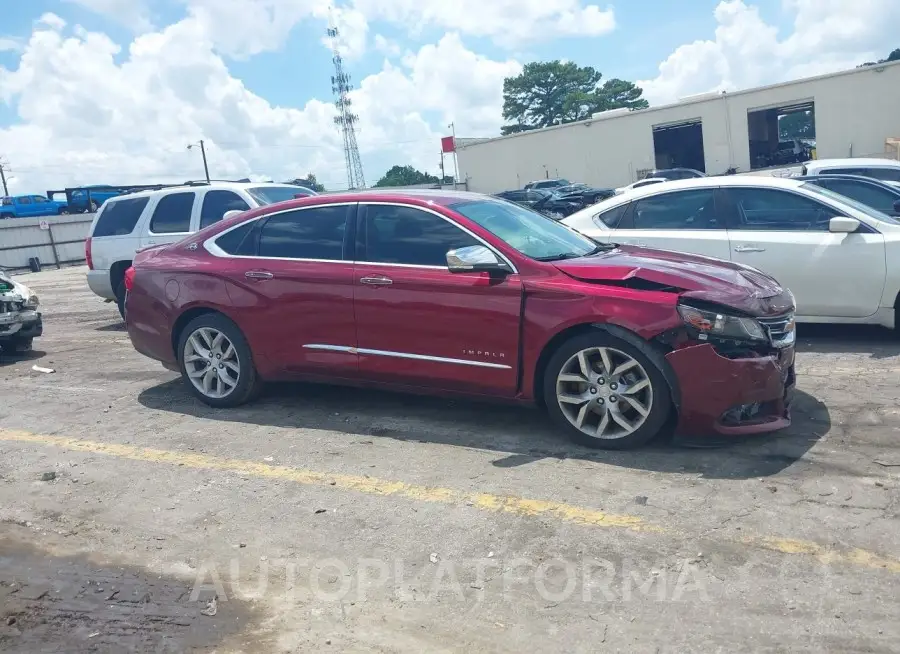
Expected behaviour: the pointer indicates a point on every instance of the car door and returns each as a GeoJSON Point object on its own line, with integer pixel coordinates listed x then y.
{"type": "Point", "coordinates": [868, 193]}
{"type": "Point", "coordinates": [24, 207]}
{"type": "Point", "coordinates": [42, 206]}
{"type": "Point", "coordinates": [685, 221]}
{"type": "Point", "coordinates": [171, 220]}
{"type": "Point", "coordinates": [419, 324]}
{"type": "Point", "coordinates": [786, 234]}
{"type": "Point", "coordinates": [291, 288]}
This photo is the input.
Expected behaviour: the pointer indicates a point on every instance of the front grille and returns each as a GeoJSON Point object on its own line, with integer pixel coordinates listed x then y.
{"type": "Point", "coordinates": [782, 330]}
{"type": "Point", "coordinates": [10, 307]}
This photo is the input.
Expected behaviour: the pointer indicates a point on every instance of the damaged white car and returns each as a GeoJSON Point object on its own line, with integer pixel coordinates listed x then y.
{"type": "Point", "coordinates": [20, 320]}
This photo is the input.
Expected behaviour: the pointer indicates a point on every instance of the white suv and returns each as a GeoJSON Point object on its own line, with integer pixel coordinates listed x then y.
{"type": "Point", "coordinates": [126, 223]}
{"type": "Point", "coordinates": [887, 170]}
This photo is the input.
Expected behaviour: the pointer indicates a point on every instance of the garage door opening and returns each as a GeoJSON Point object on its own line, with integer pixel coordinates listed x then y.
{"type": "Point", "coordinates": [679, 145]}
{"type": "Point", "coordinates": [782, 136]}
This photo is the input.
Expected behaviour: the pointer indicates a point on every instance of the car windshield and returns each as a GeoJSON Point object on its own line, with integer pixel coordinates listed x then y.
{"type": "Point", "coordinates": [532, 234]}
{"type": "Point", "coordinates": [859, 206]}
{"type": "Point", "coordinates": [272, 194]}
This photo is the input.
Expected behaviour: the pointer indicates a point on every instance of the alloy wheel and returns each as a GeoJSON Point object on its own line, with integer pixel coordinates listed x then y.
{"type": "Point", "coordinates": [604, 392]}
{"type": "Point", "coordinates": [211, 362]}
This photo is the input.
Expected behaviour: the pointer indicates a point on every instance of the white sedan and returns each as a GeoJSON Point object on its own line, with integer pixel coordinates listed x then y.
{"type": "Point", "coordinates": [840, 258]}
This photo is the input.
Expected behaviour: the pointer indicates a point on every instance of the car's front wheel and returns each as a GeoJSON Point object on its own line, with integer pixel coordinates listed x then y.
{"type": "Point", "coordinates": [216, 361]}
{"type": "Point", "coordinates": [606, 392]}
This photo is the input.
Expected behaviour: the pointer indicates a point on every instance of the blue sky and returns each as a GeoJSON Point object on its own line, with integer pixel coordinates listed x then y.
{"type": "Point", "coordinates": [647, 32]}
{"type": "Point", "coordinates": [256, 84]}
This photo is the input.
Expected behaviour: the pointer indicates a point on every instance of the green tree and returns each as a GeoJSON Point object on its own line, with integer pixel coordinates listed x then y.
{"type": "Point", "coordinates": [894, 56]}
{"type": "Point", "coordinates": [405, 176]}
{"type": "Point", "coordinates": [553, 93]}
{"type": "Point", "coordinates": [797, 125]}
{"type": "Point", "coordinates": [309, 182]}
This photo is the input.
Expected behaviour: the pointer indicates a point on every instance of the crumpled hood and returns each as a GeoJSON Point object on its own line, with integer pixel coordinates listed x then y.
{"type": "Point", "coordinates": [705, 278]}
{"type": "Point", "coordinates": [19, 292]}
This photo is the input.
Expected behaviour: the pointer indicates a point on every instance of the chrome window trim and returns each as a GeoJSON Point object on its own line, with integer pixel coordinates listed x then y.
{"type": "Point", "coordinates": [493, 249]}
{"type": "Point", "coordinates": [210, 244]}
{"type": "Point", "coordinates": [405, 355]}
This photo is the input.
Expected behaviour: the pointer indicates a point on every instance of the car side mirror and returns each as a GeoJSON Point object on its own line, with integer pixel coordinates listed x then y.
{"type": "Point", "coordinates": [231, 214]}
{"type": "Point", "coordinates": [474, 258]}
{"type": "Point", "coordinates": [843, 225]}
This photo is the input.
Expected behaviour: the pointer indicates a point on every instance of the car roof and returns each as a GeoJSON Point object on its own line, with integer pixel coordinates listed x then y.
{"type": "Point", "coordinates": [700, 183]}
{"type": "Point", "coordinates": [180, 188]}
{"type": "Point", "coordinates": [851, 163]}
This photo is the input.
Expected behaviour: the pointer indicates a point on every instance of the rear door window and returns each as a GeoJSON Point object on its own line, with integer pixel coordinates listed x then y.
{"type": "Point", "coordinates": [120, 217]}
{"type": "Point", "coordinates": [680, 210]}
{"type": "Point", "coordinates": [217, 203]}
{"type": "Point", "coordinates": [611, 217]}
{"type": "Point", "coordinates": [173, 214]}
{"type": "Point", "coordinates": [237, 241]}
{"type": "Point", "coordinates": [315, 233]}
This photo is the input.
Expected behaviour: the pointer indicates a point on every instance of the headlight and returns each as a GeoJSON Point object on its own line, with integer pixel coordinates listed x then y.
{"type": "Point", "coordinates": [722, 325]}
{"type": "Point", "coordinates": [32, 302]}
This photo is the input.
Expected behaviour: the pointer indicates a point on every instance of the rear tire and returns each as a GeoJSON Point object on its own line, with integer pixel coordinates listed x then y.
{"type": "Point", "coordinates": [609, 387]}
{"type": "Point", "coordinates": [120, 298]}
{"type": "Point", "coordinates": [232, 376]}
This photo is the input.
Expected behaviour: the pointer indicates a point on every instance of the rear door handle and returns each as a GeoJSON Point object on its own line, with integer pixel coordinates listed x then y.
{"type": "Point", "coordinates": [377, 281]}
{"type": "Point", "coordinates": [749, 248]}
{"type": "Point", "coordinates": [258, 274]}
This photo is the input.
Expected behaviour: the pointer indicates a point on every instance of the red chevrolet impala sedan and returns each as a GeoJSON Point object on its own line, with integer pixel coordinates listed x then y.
{"type": "Point", "coordinates": [459, 293]}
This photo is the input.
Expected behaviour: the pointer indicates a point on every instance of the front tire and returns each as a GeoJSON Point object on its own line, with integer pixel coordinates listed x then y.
{"type": "Point", "coordinates": [606, 392]}
{"type": "Point", "coordinates": [216, 362]}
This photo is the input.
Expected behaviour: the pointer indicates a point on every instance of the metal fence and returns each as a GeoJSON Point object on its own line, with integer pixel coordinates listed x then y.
{"type": "Point", "coordinates": [53, 240]}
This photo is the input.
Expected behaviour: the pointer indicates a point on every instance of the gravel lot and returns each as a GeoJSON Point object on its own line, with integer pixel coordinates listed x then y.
{"type": "Point", "coordinates": [363, 521]}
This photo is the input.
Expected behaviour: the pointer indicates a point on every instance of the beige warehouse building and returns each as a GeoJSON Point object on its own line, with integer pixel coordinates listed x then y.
{"type": "Point", "coordinates": [856, 113]}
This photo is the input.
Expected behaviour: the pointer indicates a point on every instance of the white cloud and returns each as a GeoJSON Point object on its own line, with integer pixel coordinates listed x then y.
{"type": "Point", "coordinates": [91, 111]}
{"type": "Point", "coordinates": [386, 46]}
{"type": "Point", "coordinates": [241, 28]}
{"type": "Point", "coordinates": [9, 44]}
{"type": "Point", "coordinates": [828, 35]}
{"type": "Point", "coordinates": [508, 22]}
{"type": "Point", "coordinates": [133, 14]}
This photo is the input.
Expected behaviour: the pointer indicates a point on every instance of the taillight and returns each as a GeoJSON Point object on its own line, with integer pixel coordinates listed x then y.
{"type": "Point", "coordinates": [129, 279]}
{"type": "Point", "coordinates": [87, 253]}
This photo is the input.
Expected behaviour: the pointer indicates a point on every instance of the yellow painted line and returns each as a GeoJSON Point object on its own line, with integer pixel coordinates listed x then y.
{"type": "Point", "coordinates": [368, 485]}
{"type": "Point", "coordinates": [483, 501]}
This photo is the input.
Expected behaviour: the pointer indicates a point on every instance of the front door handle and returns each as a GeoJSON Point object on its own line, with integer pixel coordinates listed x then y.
{"type": "Point", "coordinates": [258, 274]}
{"type": "Point", "coordinates": [749, 248]}
{"type": "Point", "coordinates": [377, 281]}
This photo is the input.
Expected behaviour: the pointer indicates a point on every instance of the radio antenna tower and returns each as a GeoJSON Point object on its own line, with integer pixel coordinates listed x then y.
{"type": "Point", "coordinates": [346, 119]}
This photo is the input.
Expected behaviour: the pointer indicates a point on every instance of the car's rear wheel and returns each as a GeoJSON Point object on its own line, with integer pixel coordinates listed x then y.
{"type": "Point", "coordinates": [216, 361]}
{"type": "Point", "coordinates": [120, 297]}
{"type": "Point", "coordinates": [606, 392]}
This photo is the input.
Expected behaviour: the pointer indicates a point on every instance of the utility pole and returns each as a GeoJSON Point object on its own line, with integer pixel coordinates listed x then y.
{"type": "Point", "coordinates": [3, 177]}
{"type": "Point", "coordinates": [452, 127]}
{"type": "Point", "coordinates": [202, 152]}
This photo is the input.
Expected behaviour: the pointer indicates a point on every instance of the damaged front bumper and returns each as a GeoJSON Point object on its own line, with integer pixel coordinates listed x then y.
{"type": "Point", "coordinates": [732, 396]}
{"type": "Point", "coordinates": [20, 325]}
{"type": "Point", "coordinates": [20, 320]}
